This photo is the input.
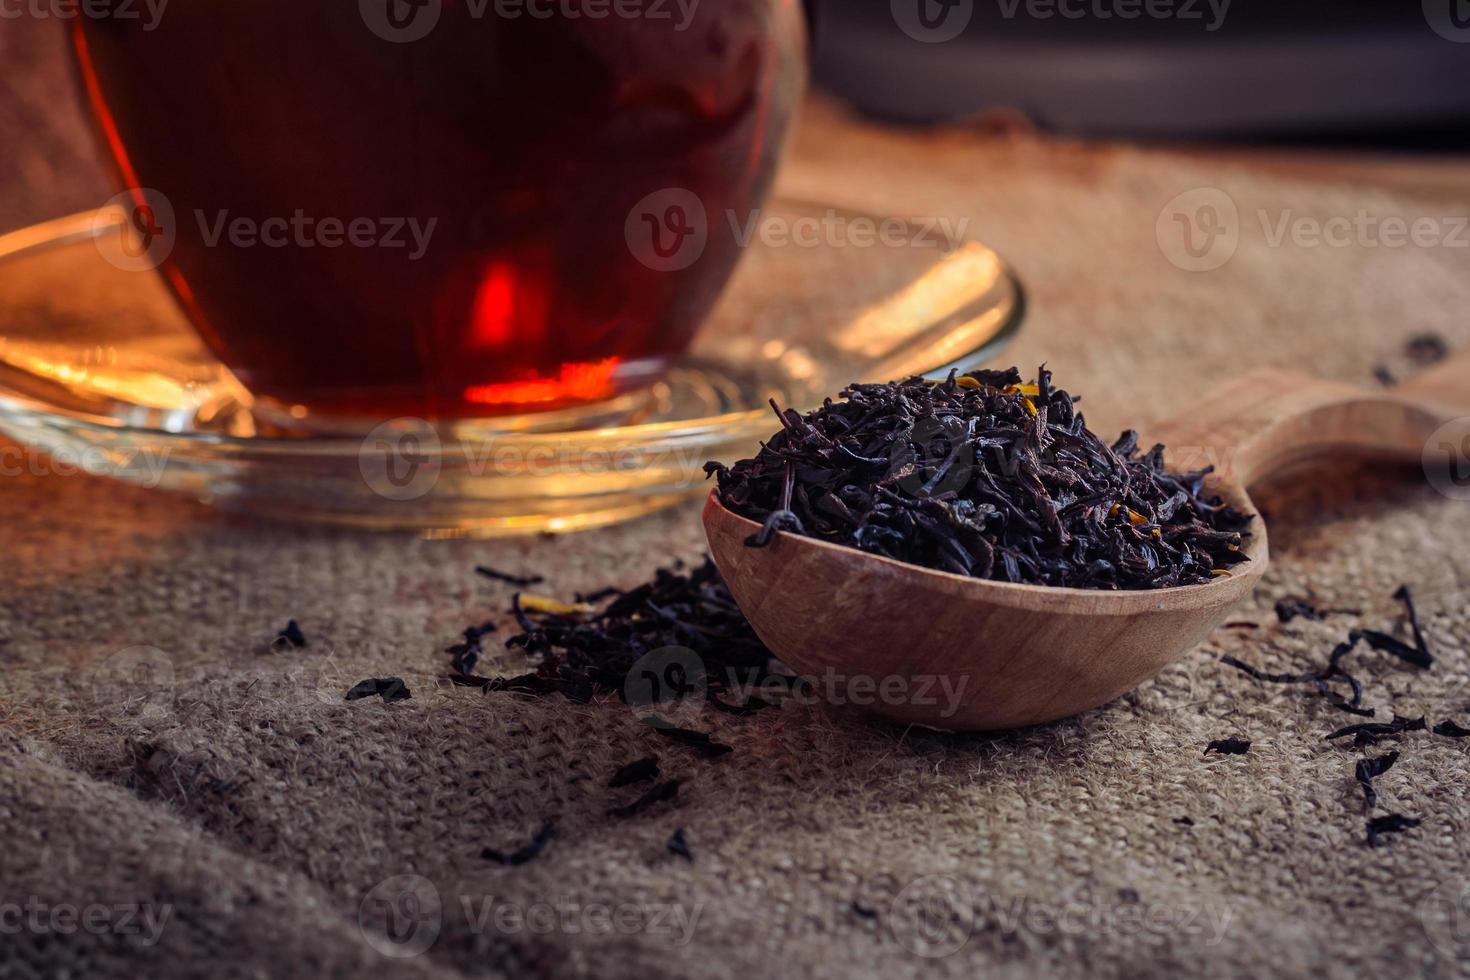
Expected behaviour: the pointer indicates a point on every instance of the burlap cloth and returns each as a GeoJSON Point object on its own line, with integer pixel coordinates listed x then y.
{"type": "Point", "coordinates": [256, 814]}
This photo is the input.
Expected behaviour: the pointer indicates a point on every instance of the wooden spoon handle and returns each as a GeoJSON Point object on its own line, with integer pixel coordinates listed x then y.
{"type": "Point", "coordinates": [1271, 418]}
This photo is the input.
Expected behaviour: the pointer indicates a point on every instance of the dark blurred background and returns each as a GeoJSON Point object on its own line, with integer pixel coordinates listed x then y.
{"type": "Point", "coordinates": [1367, 74]}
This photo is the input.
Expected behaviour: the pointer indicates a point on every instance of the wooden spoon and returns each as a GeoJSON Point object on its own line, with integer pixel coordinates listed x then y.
{"type": "Point", "coordinates": [972, 654]}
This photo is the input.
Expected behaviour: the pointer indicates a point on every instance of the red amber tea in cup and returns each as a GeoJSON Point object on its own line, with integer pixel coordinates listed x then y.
{"type": "Point", "coordinates": [444, 207]}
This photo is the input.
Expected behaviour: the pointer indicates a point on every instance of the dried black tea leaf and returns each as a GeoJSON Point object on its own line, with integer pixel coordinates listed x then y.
{"type": "Point", "coordinates": [635, 772]}
{"type": "Point", "coordinates": [525, 852]}
{"type": "Point", "coordinates": [1426, 348]}
{"type": "Point", "coordinates": [701, 742]}
{"type": "Point", "coordinates": [1369, 733]}
{"type": "Point", "coordinates": [678, 845]}
{"type": "Point", "coordinates": [984, 476]}
{"type": "Point", "coordinates": [658, 794]}
{"type": "Point", "coordinates": [583, 651]}
{"type": "Point", "coordinates": [1310, 677]}
{"type": "Point", "coordinates": [389, 688]}
{"type": "Point", "coordinates": [1351, 707]}
{"type": "Point", "coordinates": [779, 520]}
{"type": "Point", "coordinates": [292, 635]}
{"type": "Point", "coordinates": [465, 656]}
{"type": "Point", "coordinates": [1234, 745]}
{"type": "Point", "coordinates": [864, 911]}
{"type": "Point", "coordinates": [363, 689]}
{"type": "Point", "coordinates": [519, 581]}
{"type": "Point", "coordinates": [1289, 609]}
{"type": "Point", "coordinates": [1420, 351]}
{"type": "Point", "coordinates": [1370, 769]}
{"type": "Point", "coordinates": [1450, 730]}
{"type": "Point", "coordinates": [1320, 679]}
{"type": "Point", "coordinates": [1402, 594]}
{"type": "Point", "coordinates": [1391, 823]}
{"type": "Point", "coordinates": [1417, 655]}
{"type": "Point", "coordinates": [1184, 821]}
{"type": "Point", "coordinates": [1384, 643]}
{"type": "Point", "coordinates": [393, 689]}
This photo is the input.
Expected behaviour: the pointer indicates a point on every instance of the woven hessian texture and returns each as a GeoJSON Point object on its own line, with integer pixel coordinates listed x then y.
{"type": "Point", "coordinates": [258, 814]}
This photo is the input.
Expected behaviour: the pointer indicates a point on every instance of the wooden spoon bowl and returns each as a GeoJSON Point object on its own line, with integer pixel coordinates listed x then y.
{"type": "Point", "coordinates": [927, 647]}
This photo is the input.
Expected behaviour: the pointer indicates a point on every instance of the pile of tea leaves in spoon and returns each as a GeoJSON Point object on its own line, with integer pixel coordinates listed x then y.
{"type": "Point", "coordinates": [984, 476]}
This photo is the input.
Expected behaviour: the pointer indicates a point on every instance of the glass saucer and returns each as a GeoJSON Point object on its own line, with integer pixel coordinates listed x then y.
{"type": "Point", "coordinates": [100, 370]}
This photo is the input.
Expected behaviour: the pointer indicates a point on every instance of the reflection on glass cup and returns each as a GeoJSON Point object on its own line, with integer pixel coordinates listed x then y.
{"type": "Point", "coordinates": [443, 208]}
